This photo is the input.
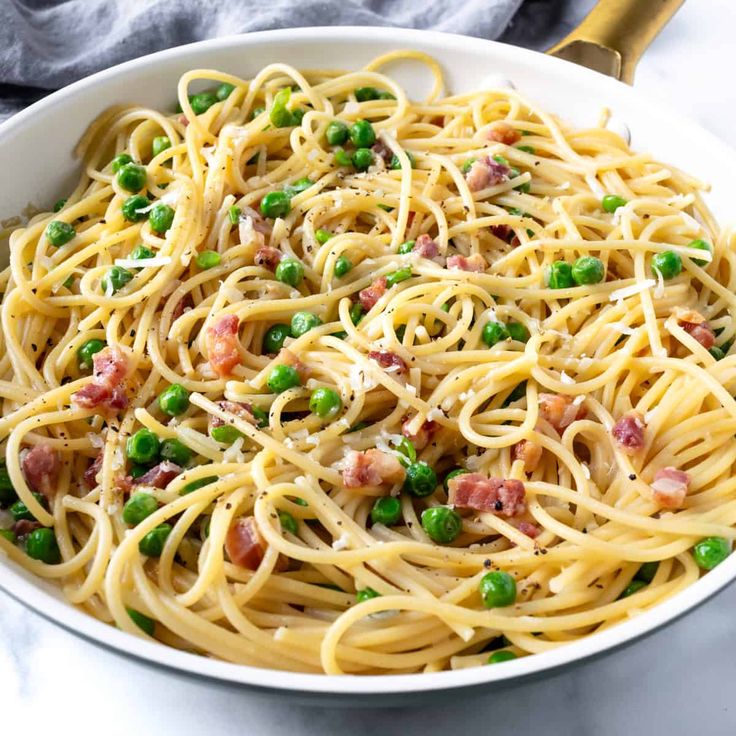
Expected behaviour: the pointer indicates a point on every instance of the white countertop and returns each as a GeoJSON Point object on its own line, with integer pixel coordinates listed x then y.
{"type": "Point", "coordinates": [678, 681]}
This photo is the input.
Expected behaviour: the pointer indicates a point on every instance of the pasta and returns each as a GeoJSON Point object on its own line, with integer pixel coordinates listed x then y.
{"type": "Point", "coordinates": [243, 357]}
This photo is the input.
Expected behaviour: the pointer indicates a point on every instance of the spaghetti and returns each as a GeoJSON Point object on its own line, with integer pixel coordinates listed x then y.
{"type": "Point", "coordinates": [311, 376]}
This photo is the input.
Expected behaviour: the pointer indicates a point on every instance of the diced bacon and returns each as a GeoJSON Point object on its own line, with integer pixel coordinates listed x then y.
{"type": "Point", "coordinates": [23, 527]}
{"type": "Point", "coordinates": [531, 530]}
{"type": "Point", "coordinates": [670, 487]}
{"type": "Point", "coordinates": [502, 496]}
{"type": "Point", "coordinates": [40, 467]}
{"type": "Point", "coordinates": [371, 468]}
{"type": "Point", "coordinates": [504, 133]}
{"type": "Point", "coordinates": [696, 325]}
{"type": "Point", "coordinates": [371, 294]}
{"type": "Point", "coordinates": [260, 225]}
{"type": "Point", "coordinates": [90, 475]}
{"type": "Point", "coordinates": [425, 247]}
{"type": "Point", "coordinates": [286, 357]}
{"type": "Point", "coordinates": [240, 410]}
{"type": "Point", "coordinates": [530, 452]}
{"type": "Point", "coordinates": [423, 436]}
{"type": "Point", "coordinates": [485, 172]}
{"type": "Point", "coordinates": [107, 388]}
{"type": "Point", "coordinates": [382, 151]}
{"type": "Point", "coordinates": [502, 232]}
{"type": "Point", "coordinates": [559, 410]}
{"type": "Point", "coordinates": [184, 120]}
{"type": "Point", "coordinates": [390, 362]}
{"type": "Point", "coordinates": [629, 433]}
{"type": "Point", "coordinates": [160, 475]}
{"type": "Point", "coordinates": [182, 305]}
{"type": "Point", "coordinates": [244, 544]}
{"type": "Point", "coordinates": [475, 263]}
{"type": "Point", "coordinates": [222, 344]}
{"type": "Point", "coordinates": [268, 257]}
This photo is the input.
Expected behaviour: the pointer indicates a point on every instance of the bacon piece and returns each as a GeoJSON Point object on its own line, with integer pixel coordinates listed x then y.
{"type": "Point", "coordinates": [234, 407]}
{"type": "Point", "coordinates": [629, 433]}
{"type": "Point", "coordinates": [244, 544]}
{"type": "Point", "coordinates": [107, 388]}
{"type": "Point", "coordinates": [286, 357]}
{"type": "Point", "coordinates": [530, 452]}
{"type": "Point", "coordinates": [40, 467]}
{"type": "Point", "coordinates": [371, 468]}
{"type": "Point", "coordinates": [696, 325]}
{"type": "Point", "coordinates": [160, 475]}
{"type": "Point", "coordinates": [485, 172]}
{"type": "Point", "coordinates": [22, 527]}
{"type": "Point", "coordinates": [90, 475]}
{"type": "Point", "coordinates": [475, 263]}
{"type": "Point", "coordinates": [531, 530]}
{"type": "Point", "coordinates": [382, 151]}
{"type": "Point", "coordinates": [504, 133]}
{"type": "Point", "coordinates": [423, 436]}
{"type": "Point", "coordinates": [268, 257]}
{"type": "Point", "coordinates": [390, 362]}
{"type": "Point", "coordinates": [502, 496]}
{"type": "Point", "coordinates": [425, 247]}
{"type": "Point", "coordinates": [184, 120]}
{"type": "Point", "coordinates": [502, 232]}
{"type": "Point", "coordinates": [186, 302]}
{"type": "Point", "coordinates": [371, 294]}
{"type": "Point", "coordinates": [670, 487]}
{"type": "Point", "coordinates": [559, 410]}
{"type": "Point", "coordinates": [260, 225]}
{"type": "Point", "coordinates": [222, 344]}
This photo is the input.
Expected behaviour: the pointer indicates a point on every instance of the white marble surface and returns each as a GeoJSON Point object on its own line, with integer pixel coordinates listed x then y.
{"type": "Point", "coordinates": [678, 682]}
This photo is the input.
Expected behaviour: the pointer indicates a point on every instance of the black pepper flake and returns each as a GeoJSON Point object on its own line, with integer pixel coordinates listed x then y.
{"type": "Point", "coordinates": [486, 564]}
{"type": "Point", "coordinates": [34, 347]}
{"type": "Point", "coordinates": [498, 506]}
{"type": "Point", "coordinates": [228, 505]}
{"type": "Point", "coordinates": [632, 476]}
{"type": "Point", "coordinates": [132, 333]}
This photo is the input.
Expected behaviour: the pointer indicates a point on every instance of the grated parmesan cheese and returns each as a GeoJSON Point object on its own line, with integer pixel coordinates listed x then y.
{"type": "Point", "coordinates": [564, 378]}
{"type": "Point", "coordinates": [342, 543]}
{"type": "Point", "coordinates": [234, 453]}
{"type": "Point", "coordinates": [351, 107]}
{"type": "Point", "coordinates": [659, 291]}
{"type": "Point", "coordinates": [96, 440]}
{"type": "Point", "coordinates": [631, 290]}
{"type": "Point", "coordinates": [143, 262]}
{"type": "Point", "coordinates": [622, 328]}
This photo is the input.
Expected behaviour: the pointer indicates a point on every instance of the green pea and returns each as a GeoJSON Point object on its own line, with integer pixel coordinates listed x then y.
{"type": "Point", "coordinates": [143, 446]}
{"type": "Point", "coordinates": [407, 449]}
{"type": "Point", "coordinates": [115, 279]}
{"type": "Point", "coordinates": [362, 134]}
{"type": "Point", "coordinates": [453, 474]}
{"type": "Point", "coordinates": [225, 433]}
{"type": "Point", "coordinates": [202, 102]}
{"type": "Point", "coordinates": [633, 587]}
{"type": "Point", "coordinates": [519, 392]}
{"type": "Point", "coordinates": [325, 403]}
{"type": "Point", "coordinates": [517, 331]}
{"type": "Point", "coordinates": [275, 204]}
{"type": "Point", "coordinates": [700, 245]}
{"type": "Point", "coordinates": [87, 351]}
{"type": "Point", "coordinates": [141, 252]}
{"type": "Point", "coordinates": [59, 233]}
{"type": "Point", "coordinates": [497, 589]}
{"type": "Point", "coordinates": [152, 544]}
{"type": "Point", "coordinates": [363, 94]}
{"type": "Point", "coordinates": [711, 551]}
{"type": "Point", "coordinates": [611, 202]}
{"type": "Point", "coordinates": [342, 266]}
{"type": "Point", "coordinates": [342, 158]}
{"type": "Point", "coordinates": [385, 95]}
{"type": "Point", "coordinates": [366, 594]}
{"type": "Point", "coordinates": [260, 416]}
{"type": "Point", "coordinates": [647, 571]}
{"type": "Point", "coordinates": [274, 338]}
{"type": "Point", "coordinates": [356, 313]}
{"type": "Point", "coordinates": [161, 218]}
{"type": "Point", "coordinates": [288, 522]}
{"type": "Point", "coordinates": [407, 247]}
{"type": "Point", "coordinates": [442, 524]}
{"type": "Point", "coordinates": [396, 277]}
{"type": "Point", "coordinates": [208, 259]}
{"type": "Point", "coordinates": [131, 177]}
{"type": "Point", "coordinates": [174, 400]}
{"type": "Point", "coordinates": [494, 332]}
{"type": "Point", "coordinates": [282, 378]}
{"type": "Point", "coordinates": [119, 161]}
{"type": "Point", "coordinates": [505, 162]}
{"type": "Point", "coordinates": [132, 207]}
{"type": "Point", "coordinates": [588, 270]}
{"type": "Point", "coordinates": [195, 485]}
{"type": "Point", "coordinates": [526, 149]}
{"type": "Point", "coordinates": [19, 511]}
{"type": "Point", "coordinates": [465, 168]}
{"type": "Point", "coordinates": [68, 282]}
{"type": "Point", "coordinates": [257, 111]}
{"type": "Point", "coordinates": [502, 655]}
{"type": "Point", "coordinates": [322, 236]}
{"type": "Point", "coordinates": [41, 545]}
{"type": "Point", "coordinates": [303, 322]}
{"type": "Point", "coordinates": [717, 352]}
{"type": "Point", "coordinates": [386, 510]}
{"type": "Point", "coordinates": [362, 158]}
{"type": "Point", "coordinates": [234, 214]}
{"type": "Point", "coordinates": [59, 205]}
{"type": "Point", "coordinates": [148, 625]}
{"type": "Point", "coordinates": [136, 470]}
{"type": "Point", "coordinates": [279, 115]}
{"type": "Point", "coordinates": [668, 264]}
{"type": "Point", "coordinates": [159, 144]}
{"type": "Point", "coordinates": [139, 507]}
{"type": "Point", "coordinates": [560, 275]}
{"type": "Point", "coordinates": [336, 133]}
{"type": "Point", "coordinates": [290, 271]}
{"type": "Point", "coordinates": [224, 91]}
{"type": "Point", "coordinates": [176, 452]}
{"type": "Point", "coordinates": [420, 480]}
{"type": "Point", "coordinates": [9, 534]}
{"type": "Point", "coordinates": [396, 163]}
{"type": "Point", "coordinates": [298, 187]}
{"type": "Point", "coordinates": [7, 492]}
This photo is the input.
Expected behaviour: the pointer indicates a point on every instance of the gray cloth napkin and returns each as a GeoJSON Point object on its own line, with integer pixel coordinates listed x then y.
{"type": "Point", "coordinates": [46, 44]}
